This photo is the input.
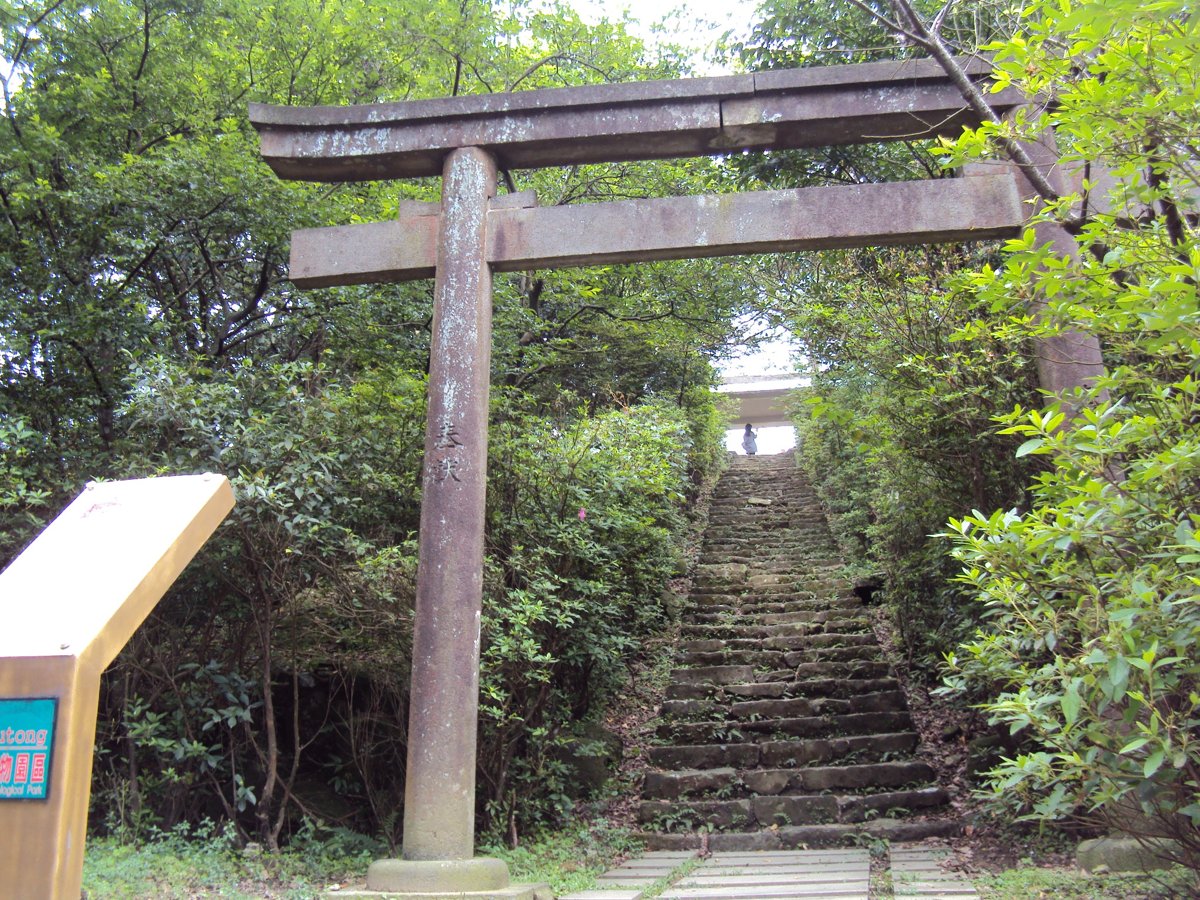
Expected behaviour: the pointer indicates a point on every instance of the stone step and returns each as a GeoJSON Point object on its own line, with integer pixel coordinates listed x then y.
{"type": "Point", "coordinates": [719, 732]}
{"type": "Point", "coordinates": [797, 612]}
{"type": "Point", "coordinates": [815, 621]}
{"type": "Point", "coordinates": [833, 610]}
{"type": "Point", "coordinates": [783, 683]}
{"type": "Point", "coordinates": [790, 707]}
{"type": "Point", "coordinates": [813, 687]}
{"type": "Point", "coordinates": [779, 811]}
{"type": "Point", "coordinates": [753, 603]}
{"type": "Point", "coordinates": [796, 665]}
{"type": "Point", "coordinates": [797, 636]}
{"type": "Point", "coordinates": [783, 754]}
{"type": "Point", "coordinates": [788, 837]}
{"type": "Point", "coordinates": [772, 652]}
{"type": "Point", "coordinates": [728, 782]}
{"type": "Point", "coordinates": [781, 715]}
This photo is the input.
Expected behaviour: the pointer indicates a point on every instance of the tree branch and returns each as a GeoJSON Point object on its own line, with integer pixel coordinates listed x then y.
{"type": "Point", "coordinates": [919, 34]}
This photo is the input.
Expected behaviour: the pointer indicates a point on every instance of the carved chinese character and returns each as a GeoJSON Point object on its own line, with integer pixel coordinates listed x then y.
{"type": "Point", "coordinates": [447, 436]}
{"type": "Point", "coordinates": [446, 467]}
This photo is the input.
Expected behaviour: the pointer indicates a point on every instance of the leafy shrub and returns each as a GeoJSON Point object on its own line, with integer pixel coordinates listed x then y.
{"type": "Point", "coordinates": [1090, 590]}
{"type": "Point", "coordinates": [586, 517]}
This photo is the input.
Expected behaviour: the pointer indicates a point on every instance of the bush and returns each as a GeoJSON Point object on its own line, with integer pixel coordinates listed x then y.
{"type": "Point", "coordinates": [585, 526]}
{"type": "Point", "coordinates": [1090, 590]}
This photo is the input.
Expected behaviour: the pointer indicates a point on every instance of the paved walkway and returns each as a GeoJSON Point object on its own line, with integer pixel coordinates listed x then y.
{"type": "Point", "coordinates": [917, 874]}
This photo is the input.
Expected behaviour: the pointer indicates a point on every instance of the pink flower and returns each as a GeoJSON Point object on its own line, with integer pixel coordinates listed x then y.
{"type": "Point", "coordinates": [582, 514]}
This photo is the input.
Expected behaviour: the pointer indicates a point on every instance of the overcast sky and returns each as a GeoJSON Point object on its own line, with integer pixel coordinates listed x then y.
{"type": "Point", "coordinates": [699, 25]}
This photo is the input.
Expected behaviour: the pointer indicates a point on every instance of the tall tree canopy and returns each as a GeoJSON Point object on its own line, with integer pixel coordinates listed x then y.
{"type": "Point", "coordinates": [147, 326]}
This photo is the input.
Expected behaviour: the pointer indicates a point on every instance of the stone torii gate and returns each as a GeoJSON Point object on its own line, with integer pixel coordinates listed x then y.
{"type": "Point", "coordinates": [473, 233]}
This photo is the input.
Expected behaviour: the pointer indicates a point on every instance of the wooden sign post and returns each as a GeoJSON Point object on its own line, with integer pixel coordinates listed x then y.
{"type": "Point", "coordinates": [68, 604]}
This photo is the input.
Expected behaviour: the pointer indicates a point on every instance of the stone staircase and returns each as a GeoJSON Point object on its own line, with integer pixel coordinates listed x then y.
{"type": "Point", "coordinates": [783, 725]}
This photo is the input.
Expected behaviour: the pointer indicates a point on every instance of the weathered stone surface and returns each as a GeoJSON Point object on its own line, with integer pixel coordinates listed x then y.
{"type": "Point", "coordinates": [843, 834]}
{"type": "Point", "coordinates": [911, 212]}
{"type": "Point", "coordinates": [439, 807]}
{"type": "Point", "coordinates": [776, 689]}
{"type": "Point", "coordinates": [673, 785]}
{"type": "Point", "coordinates": [858, 808]}
{"type": "Point", "coordinates": [779, 708]}
{"type": "Point", "coordinates": [437, 876]}
{"type": "Point", "coordinates": [512, 892]}
{"type": "Point", "coordinates": [703, 646]}
{"type": "Point", "coordinates": [684, 708]}
{"type": "Point", "coordinates": [678, 691]}
{"type": "Point", "coordinates": [405, 140]}
{"type": "Point", "coordinates": [705, 756]}
{"type": "Point", "coordinates": [794, 810]}
{"type": "Point", "coordinates": [718, 813]}
{"type": "Point", "coordinates": [767, 782]}
{"type": "Point", "coordinates": [1121, 854]}
{"type": "Point", "coordinates": [725, 573]}
{"type": "Point", "coordinates": [823, 733]}
{"type": "Point", "coordinates": [887, 774]}
{"type": "Point", "coordinates": [713, 675]}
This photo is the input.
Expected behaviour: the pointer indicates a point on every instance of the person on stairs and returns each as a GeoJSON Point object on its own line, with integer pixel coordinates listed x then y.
{"type": "Point", "coordinates": [749, 444]}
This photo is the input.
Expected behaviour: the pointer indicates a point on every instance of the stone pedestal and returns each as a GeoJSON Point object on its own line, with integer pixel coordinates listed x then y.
{"type": "Point", "coordinates": [512, 892]}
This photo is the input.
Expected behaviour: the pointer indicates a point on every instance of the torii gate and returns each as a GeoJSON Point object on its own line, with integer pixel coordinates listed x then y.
{"type": "Point", "coordinates": [473, 233]}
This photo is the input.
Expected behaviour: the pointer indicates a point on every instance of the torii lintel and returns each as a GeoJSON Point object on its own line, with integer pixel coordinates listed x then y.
{"type": "Point", "coordinates": [786, 109]}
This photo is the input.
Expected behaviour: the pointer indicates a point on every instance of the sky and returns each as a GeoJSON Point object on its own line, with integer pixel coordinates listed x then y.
{"type": "Point", "coordinates": [699, 24]}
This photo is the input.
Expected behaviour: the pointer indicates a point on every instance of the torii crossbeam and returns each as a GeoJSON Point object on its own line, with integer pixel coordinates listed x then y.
{"type": "Point", "coordinates": [473, 233]}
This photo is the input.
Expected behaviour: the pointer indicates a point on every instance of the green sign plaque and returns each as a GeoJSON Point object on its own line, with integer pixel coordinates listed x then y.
{"type": "Point", "coordinates": [26, 741]}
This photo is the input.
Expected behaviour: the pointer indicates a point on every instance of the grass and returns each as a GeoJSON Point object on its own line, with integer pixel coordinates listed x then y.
{"type": "Point", "coordinates": [569, 859]}
{"type": "Point", "coordinates": [206, 862]}
{"type": "Point", "coordinates": [1033, 883]}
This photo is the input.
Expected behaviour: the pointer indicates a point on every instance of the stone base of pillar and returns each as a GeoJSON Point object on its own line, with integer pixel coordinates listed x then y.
{"type": "Point", "coordinates": [481, 878]}
{"type": "Point", "coordinates": [512, 892]}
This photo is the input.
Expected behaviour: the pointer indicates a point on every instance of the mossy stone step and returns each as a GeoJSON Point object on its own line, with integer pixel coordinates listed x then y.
{"type": "Point", "coordinates": [735, 783]}
{"type": "Point", "coordinates": [798, 727]}
{"type": "Point", "coordinates": [804, 836]}
{"type": "Point", "coordinates": [768, 811]}
{"type": "Point", "coordinates": [784, 681]}
{"type": "Point", "coordinates": [789, 707]}
{"type": "Point", "coordinates": [798, 636]}
{"type": "Point", "coordinates": [783, 754]}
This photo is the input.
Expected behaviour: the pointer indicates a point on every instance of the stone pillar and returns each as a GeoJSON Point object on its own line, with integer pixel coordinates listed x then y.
{"type": "Point", "coordinates": [1072, 359]}
{"type": "Point", "coordinates": [439, 807]}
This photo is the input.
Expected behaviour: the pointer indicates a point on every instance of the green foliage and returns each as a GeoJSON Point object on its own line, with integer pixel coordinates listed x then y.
{"type": "Point", "coordinates": [147, 327]}
{"type": "Point", "coordinates": [208, 861]}
{"type": "Point", "coordinates": [585, 526]}
{"type": "Point", "coordinates": [1090, 589]}
{"type": "Point", "coordinates": [1030, 882]}
{"type": "Point", "coordinates": [24, 495]}
{"type": "Point", "coordinates": [895, 428]}
{"type": "Point", "coordinates": [568, 858]}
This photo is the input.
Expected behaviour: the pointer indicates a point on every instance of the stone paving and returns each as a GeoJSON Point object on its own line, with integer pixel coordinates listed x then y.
{"type": "Point", "coordinates": [917, 874]}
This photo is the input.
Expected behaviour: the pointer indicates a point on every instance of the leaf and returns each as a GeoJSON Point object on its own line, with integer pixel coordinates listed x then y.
{"type": "Point", "coordinates": [1071, 703]}
{"type": "Point", "coordinates": [1135, 744]}
{"type": "Point", "coordinates": [1030, 446]}
{"type": "Point", "coordinates": [1153, 762]}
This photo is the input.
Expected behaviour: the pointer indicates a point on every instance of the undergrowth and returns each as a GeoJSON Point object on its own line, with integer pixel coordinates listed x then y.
{"type": "Point", "coordinates": [1032, 883]}
{"type": "Point", "coordinates": [208, 861]}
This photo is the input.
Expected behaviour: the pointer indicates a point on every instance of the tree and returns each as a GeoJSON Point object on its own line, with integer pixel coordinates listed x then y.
{"type": "Point", "coordinates": [1090, 588]}
{"type": "Point", "coordinates": [147, 326]}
